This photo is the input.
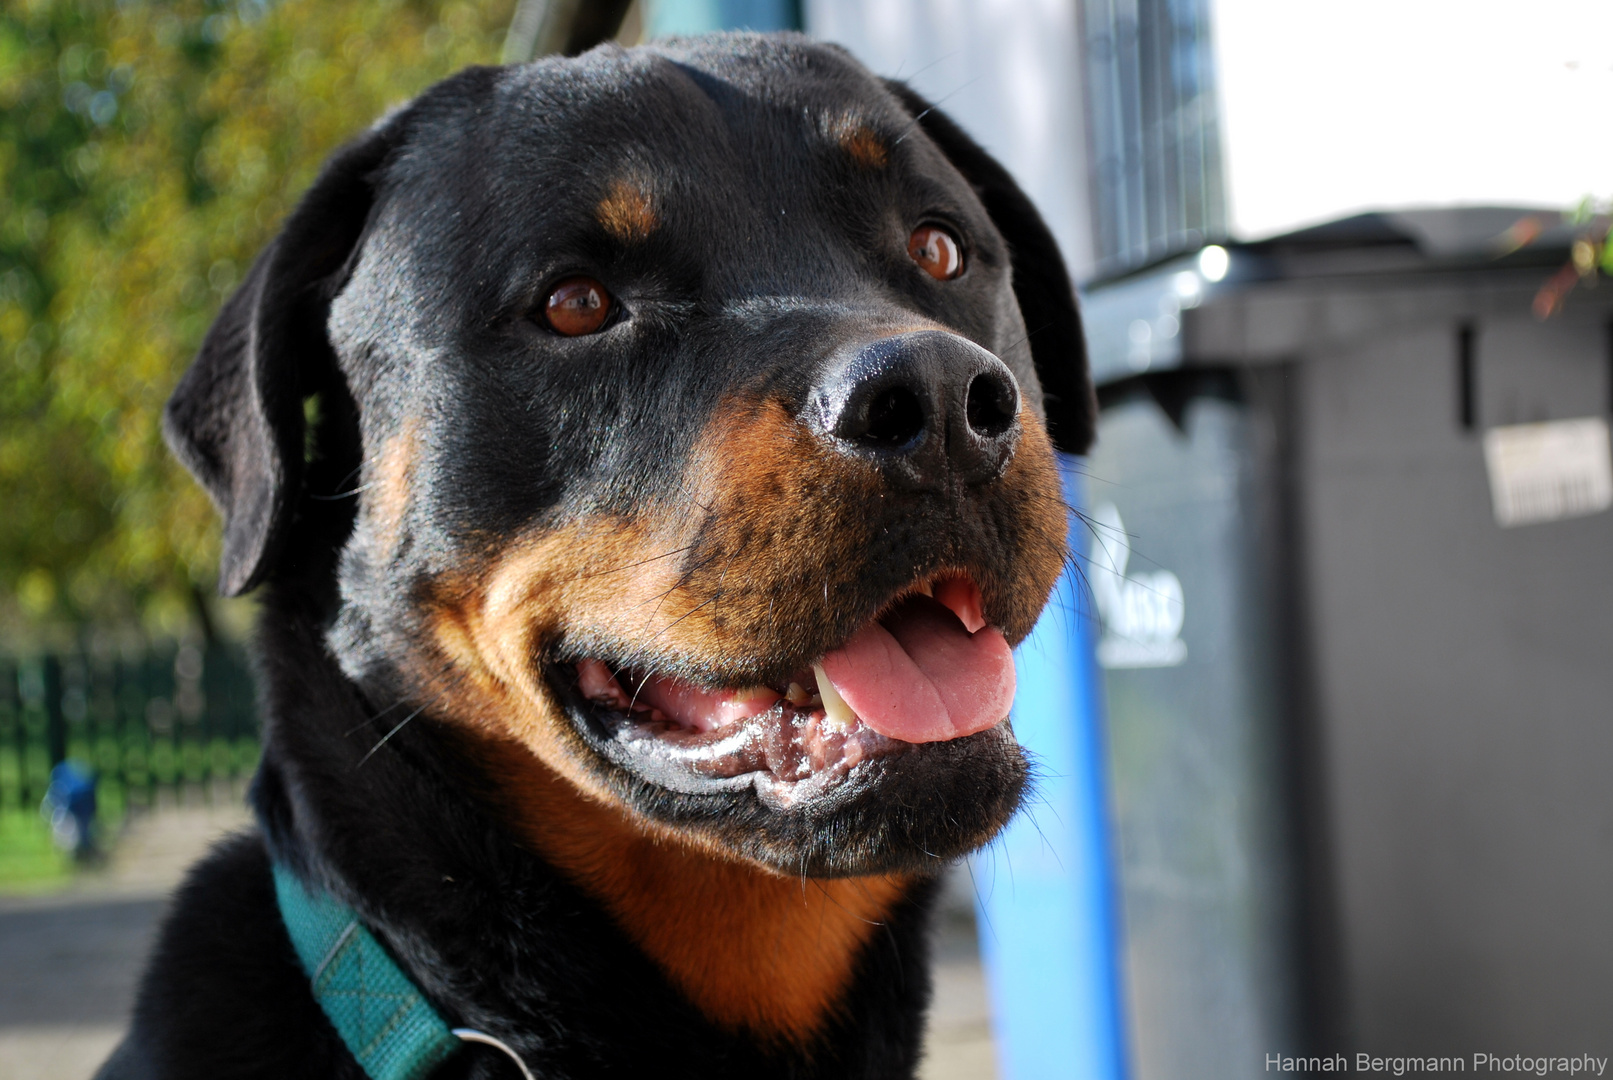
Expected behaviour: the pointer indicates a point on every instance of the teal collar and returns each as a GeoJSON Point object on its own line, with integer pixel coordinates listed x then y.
{"type": "Point", "coordinates": [378, 1011]}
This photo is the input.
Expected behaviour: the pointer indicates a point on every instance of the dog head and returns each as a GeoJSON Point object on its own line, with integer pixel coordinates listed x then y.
{"type": "Point", "coordinates": [700, 402]}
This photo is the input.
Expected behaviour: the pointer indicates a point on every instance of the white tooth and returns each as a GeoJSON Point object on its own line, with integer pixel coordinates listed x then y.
{"type": "Point", "coordinates": [797, 694]}
{"type": "Point", "coordinates": [835, 709]}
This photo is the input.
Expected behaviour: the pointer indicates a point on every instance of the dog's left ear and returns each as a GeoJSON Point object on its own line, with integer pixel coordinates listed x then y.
{"type": "Point", "coordinates": [1041, 282]}
{"type": "Point", "coordinates": [236, 418]}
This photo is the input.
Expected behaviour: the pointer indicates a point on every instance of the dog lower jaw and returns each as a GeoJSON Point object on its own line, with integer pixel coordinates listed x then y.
{"type": "Point", "coordinates": [782, 745]}
{"type": "Point", "coordinates": [791, 757]}
{"type": "Point", "coordinates": [849, 803]}
{"type": "Point", "coordinates": [787, 756]}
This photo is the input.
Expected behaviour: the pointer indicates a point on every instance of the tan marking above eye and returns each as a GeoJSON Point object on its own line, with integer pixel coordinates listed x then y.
{"type": "Point", "coordinates": [577, 306]}
{"type": "Point", "coordinates": [937, 252]}
{"type": "Point", "coordinates": [865, 148]}
{"type": "Point", "coordinates": [628, 211]}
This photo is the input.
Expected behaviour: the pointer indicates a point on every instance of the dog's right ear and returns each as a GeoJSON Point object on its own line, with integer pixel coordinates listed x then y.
{"type": "Point", "coordinates": [236, 418]}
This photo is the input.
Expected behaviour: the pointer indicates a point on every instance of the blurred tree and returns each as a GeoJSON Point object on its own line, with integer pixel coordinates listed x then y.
{"type": "Point", "coordinates": [148, 149]}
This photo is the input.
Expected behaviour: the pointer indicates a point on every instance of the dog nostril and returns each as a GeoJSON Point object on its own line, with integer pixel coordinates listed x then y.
{"type": "Point", "coordinates": [895, 418]}
{"type": "Point", "coordinates": [990, 406]}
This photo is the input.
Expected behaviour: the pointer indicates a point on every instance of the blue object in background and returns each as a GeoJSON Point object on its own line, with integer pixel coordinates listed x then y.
{"type": "Point", "coordinates": [665, 17]}
{"type": "Point", "coordinates": [69, 806]}
{"type": "Point", "coordinates": [1046, 889]}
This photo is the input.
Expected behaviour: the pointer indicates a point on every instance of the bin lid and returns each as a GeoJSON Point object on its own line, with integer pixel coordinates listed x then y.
{"type": "Point", "coordinates": [1134, 322]}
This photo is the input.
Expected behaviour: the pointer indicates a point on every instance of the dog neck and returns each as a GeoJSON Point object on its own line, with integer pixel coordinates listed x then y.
{"type": "Point", "coordinates": [750, 948]}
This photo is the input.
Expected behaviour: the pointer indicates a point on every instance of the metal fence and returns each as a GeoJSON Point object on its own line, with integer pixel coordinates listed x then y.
{"type": "Point", "coordinates": [160, 718]}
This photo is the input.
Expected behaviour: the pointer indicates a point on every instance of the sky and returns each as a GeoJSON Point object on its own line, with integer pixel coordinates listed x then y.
{"type": "Point", "coordinates": [1332, 108]}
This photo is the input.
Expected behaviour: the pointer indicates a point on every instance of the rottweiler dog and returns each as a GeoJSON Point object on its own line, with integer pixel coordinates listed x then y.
{"type": "Point", "coordinates": [647, 462]}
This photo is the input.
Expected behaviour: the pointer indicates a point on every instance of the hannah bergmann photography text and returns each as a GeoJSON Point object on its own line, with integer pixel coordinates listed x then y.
{"type": "Point", "coordinates": [1482, 1062]}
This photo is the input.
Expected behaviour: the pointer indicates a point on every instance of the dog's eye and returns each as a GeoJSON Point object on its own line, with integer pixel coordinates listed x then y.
{"type": "Point", "coordinates": [576, 306]}
{"type": "Point", "coordinates": [936, 251]}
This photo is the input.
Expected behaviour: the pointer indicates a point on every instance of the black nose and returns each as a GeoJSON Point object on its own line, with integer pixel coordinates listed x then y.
{"type": "Point", "coordinates": [924, 406]}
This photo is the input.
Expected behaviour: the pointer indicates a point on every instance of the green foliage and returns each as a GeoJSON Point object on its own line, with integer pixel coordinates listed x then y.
{"type": "Point", "coordinates": [148, 150]}
{"type": "Point", "coordinates": [1590, 252]}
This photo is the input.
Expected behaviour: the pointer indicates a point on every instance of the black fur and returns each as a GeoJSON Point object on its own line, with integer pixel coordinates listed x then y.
{"type": "Point", "coordinates": [400, 291]}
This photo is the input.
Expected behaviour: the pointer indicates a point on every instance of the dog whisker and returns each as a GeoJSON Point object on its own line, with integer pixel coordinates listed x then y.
{"type": "Point", "coordinates": [340, 495]}
{"type": "Point", "coordinates": [399, 727]}
{"type": "Point", "coordinates": [636, 563]}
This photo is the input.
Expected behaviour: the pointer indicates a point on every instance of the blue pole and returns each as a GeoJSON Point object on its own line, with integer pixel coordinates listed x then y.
{"type": "Point", "coordinates": [665, 17]}
{"type": "Point", "coordinates": [1046, 889]}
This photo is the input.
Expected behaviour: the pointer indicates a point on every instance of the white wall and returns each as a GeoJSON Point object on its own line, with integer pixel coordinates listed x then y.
{"type": "Point", "coordinates": [1005, 70]}
{"type": "Point", "coordinates": [1332, 108]}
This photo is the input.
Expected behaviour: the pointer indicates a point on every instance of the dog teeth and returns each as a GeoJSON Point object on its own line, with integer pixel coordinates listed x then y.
{"type": "Point", "coordinates": [797, 695]}
{"type": "Point", "coordinates": [837, 714]}
{"type": "Point", "coordinates": [927, 589]}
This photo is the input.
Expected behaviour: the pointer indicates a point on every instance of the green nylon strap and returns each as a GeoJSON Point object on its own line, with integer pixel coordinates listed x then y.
{"type": "Point", "coordinates": [379, 1012]}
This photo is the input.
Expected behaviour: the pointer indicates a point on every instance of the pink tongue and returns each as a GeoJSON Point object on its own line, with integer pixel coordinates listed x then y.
{"type": "Point", "coordinates": [921, 677]}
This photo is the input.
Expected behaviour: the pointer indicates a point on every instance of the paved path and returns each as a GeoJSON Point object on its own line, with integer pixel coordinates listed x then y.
{"type": "Point", "coordinates": [78, 962]}
{"type": "Point", "coordinates": [71, 961]}
{"type": "Point", "coordinates": [958, 1045]}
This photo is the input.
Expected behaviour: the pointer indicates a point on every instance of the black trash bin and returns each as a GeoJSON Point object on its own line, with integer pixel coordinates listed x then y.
{"type": "Point", "coordinates": [1353, 562]}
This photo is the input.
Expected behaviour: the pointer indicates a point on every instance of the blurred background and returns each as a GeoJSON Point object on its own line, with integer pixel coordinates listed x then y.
{"type": "Point", "coordinates": [1324, 723]}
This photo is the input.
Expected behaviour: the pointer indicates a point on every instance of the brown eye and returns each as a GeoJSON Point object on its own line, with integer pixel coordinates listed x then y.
{"type": "Point", "coordinates": [578, 305]}
{"type": "Point", "coordinates": [937, 251]}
